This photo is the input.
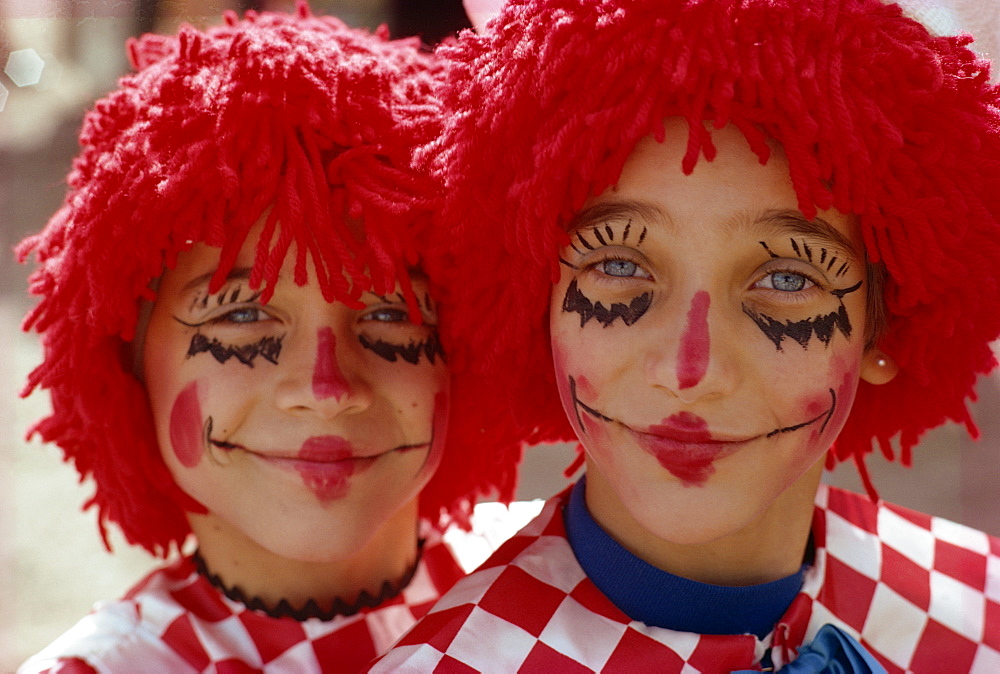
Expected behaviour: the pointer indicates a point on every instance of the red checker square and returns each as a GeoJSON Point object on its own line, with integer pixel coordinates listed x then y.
{"type": "Point", "coordinates": [991, 625]}
{"type": "Point", "coordinates": [441, 567]}
{"type": "Point", "coordinates": [942, 650]}
{"type": "Point", "coordinates": [555, 527]}
{"type": "Point", "coordinates": [819, 526]}
{"type": "Point", "coordinates": [202, 600]}
{"type": "Point", "coordinates": [234, 666]}
{"type": "Point", "coordinates": [70, 666]}
{"type": "Point", "coordinates": [438, 629]}
{"type": "Point", "coordinates": [271, 636]}
{"type": "Point", "coordinates": [847, 590]}
{"type": "Point", "coordinates": [592, 599]}
{"type": "Point", "coordinates": [182, 639]}
{"type": "Point", "coordinates": [857, 511]}
{"type": "Point", "coordinates": [636, 652]}
{"type": "Point", "coordinates": [418, 611]}
{"type": "Point", "coordinates": [907, 578]}
{"type": "Point", "coordinates": [450, 665]}
{"type": "Point", "coordinates": [920, 519]}
{"type": "Point", "coordinates": [348, 649]}
{"type": "Point", "coordinates": [721, 653]}
{"type": "Point", "coordinates": [506, 553]}
{"type": "Point", "coordinates": [994, 546]}
{"type": "Point", "coordinates": [523, 600]}
{"type": "Point", "coordinates": [543, 658]}
{"type": "Point", "coordinates": [961, 564]}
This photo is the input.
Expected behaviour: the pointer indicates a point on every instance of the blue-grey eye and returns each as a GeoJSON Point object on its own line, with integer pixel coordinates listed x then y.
{"type": "Point", "coordinates": [787, 281]}
{"type": "Point", "coordinates": [387, 315]}
{"type": "Point", "coordinates": [243, 315]}
{"type": "Point", "coordinates": [621, 268]}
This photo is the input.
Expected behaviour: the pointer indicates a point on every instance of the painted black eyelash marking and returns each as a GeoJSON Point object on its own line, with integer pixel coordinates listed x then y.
{"type": "Point", "coordinates": [268, 348]}
{"type": "Point", "coordinates": [843, 269]}
{"type": "Point", "coordinates": [642, 237]}
{"type": "Point", "coordinates": [569, 264]}
{"type": "Point", "coordinates": [583, 241]}
{"type": "Point", "coordinates": [411, 353]}
{"type": "Point", "coordinates": [600, 238]}
{"type": "Point", "coordinates": [808, 250]}
{"type": "Point", "coordinates": [580, 405]}
{"type": "Point", "coordinates": [576, 301]}
{"type": "Point", "coordinates": [802, 331]}
{"type": "Point", "coordinates": [822, 255]}
{"type": "Point", "coordinates": [825, 416]}
{"type": "Point", "coordinates": [795, 247]}
{"type": "Point", "coordinates": [611, 232]}
{"type": "Point", "coordinates": [628, 228]}
{"type": "Point", "coordinates": [573, 246]}
{"type": "Point", "coordinates": [770, 252]}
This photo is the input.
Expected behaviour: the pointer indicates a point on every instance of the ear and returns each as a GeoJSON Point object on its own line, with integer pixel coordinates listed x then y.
{"type": "Point", "coordinates": [878, 368]}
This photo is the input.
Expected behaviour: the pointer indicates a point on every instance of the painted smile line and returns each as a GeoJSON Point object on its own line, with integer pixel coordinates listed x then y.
{"type": "Point", "coordinates": [683, 445]}
{"type": "Point", "coordinates": [325, 463]}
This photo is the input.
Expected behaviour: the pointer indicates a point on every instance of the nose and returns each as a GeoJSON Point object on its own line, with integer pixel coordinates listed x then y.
{"type": "Point", "coordinates": [317, 380]}
{"type": "Point", "coordinates": [688, 357]}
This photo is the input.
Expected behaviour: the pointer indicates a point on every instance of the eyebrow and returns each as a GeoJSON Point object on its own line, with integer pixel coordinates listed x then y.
{"type": "Point", "coordinates": [235, 273]}
{"type": "Point", "coordinates": [781, 221]}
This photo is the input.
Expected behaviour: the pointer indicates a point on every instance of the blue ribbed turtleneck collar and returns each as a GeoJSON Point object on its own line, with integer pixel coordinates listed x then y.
{"type": "Point", "coordinates": [660, 599]}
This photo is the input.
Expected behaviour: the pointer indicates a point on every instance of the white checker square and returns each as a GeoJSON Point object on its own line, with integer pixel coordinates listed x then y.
{"type": "Point", "coordinates": [822, 499]}
{"type": "Point", "coordinates": [987, 661]}
{"type": "Point", "coordinates": [547, 553]}
{"type": "Point", "coordinates": [316, 629]}
{"type": "Point", "coordinates": [421, 589]}
{"type": "Point", "coordinates": [960, 535]}
{"type": "Point", "coordinates": [581, 634]}
{"type": "Point", "coordinates": [855, 547]}
{"type": "Point", "coordinates": [387, 624]}
{"type": "Point", "coordinates": [226, 638]}
{"type": "Point", "coordinates": [508, 643]}
{"type": "Point", "coordinates": [992, 589]}
{"type": "Point", "coordinates": [681, 643]}
{"type": "Point", "coordinates": [893, 626]}
{"type": "Point", "coordinates": [821, 616]}
{"type": "Point", "coordinates": [536, 526]}
{"type": "Point", "coordinates": [912, 541]}
{"type": "Point", "coordinates": [419, 659]}
{"type": "Point", "coordinates": [956, 605]}
{"type": "Point", "coordinates": [468, 590]}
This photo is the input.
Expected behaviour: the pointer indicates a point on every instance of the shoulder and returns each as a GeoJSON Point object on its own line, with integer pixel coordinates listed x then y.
{"type": "Point", "coordinates": [931, 586]}
{"type": "Point", "coordinates": [483, 621]}
{"type": "Point", "coordinates": [114, 636]}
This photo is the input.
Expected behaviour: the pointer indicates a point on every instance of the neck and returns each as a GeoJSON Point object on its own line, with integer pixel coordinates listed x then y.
{"type": "Point", "coordinates": [238, 561]}
{"type": "Point", "coordinates": [768, 548]}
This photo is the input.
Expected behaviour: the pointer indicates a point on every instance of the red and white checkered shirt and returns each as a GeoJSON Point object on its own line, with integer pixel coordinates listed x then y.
{"type": "Point", "coordinates": [922, 594]}
{"type": "Point", "coordinates": [174, 620]}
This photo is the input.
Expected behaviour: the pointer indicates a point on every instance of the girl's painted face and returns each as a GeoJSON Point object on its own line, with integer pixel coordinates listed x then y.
{"type": "Point", "coordinates": [302, 424]}
{"type": "Point", "coordinates": [707, 338]}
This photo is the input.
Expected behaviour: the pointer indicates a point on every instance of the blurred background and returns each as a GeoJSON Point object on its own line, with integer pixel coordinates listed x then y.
{"type": "Point", "coordinates": [56, 58]}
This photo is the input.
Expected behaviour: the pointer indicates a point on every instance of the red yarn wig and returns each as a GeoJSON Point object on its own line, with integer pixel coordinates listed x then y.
{"type": "Point", "coordinates": [877, 117]}
{"type": "Point", "coordinates": [297, 119]}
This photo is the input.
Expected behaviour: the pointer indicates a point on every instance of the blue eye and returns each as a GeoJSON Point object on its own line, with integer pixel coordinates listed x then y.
{"type": "Point", "coordinates": [620, 268]}
{"type": "Point", "coordinates": [387, 315]}
{"type": "Point", "coordinates": [786, 281]}
{"type": "Point", "coordinates": [243, 315]}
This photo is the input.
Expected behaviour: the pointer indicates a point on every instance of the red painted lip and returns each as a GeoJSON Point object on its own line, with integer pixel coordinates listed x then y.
{"type": "Point", "coordinates": [684, 446]}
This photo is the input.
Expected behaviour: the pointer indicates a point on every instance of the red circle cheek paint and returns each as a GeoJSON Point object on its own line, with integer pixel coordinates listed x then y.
{"type": "Point", "coordinates": [692, 356]}
{"type": "Point", "coordinates": [186, 427]}
{"type": "Point", "coordinates": [328, 381]}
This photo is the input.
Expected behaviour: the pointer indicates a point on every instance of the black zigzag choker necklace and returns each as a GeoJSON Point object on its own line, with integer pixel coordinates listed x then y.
{"type": "Point", "coordinates": [310, 609]}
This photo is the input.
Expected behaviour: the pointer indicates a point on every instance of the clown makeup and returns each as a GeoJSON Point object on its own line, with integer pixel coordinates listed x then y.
{"type": "Point", "coordinates": [739, 346]}
{"type": "Point", "coordinates": [331, 416]}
